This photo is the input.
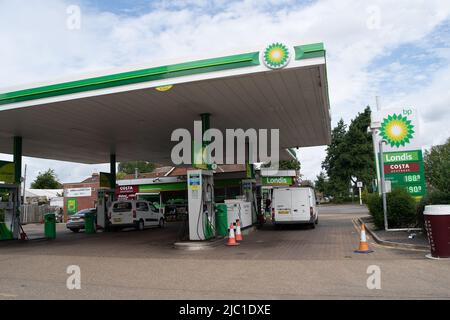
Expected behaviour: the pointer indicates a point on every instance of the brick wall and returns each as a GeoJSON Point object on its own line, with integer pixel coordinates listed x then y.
{"type": "Point", "coordinates": [82, 202]}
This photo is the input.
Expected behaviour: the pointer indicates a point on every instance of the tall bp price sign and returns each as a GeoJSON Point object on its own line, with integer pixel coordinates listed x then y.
{"type": "Point", "coordinates": [402, 150]}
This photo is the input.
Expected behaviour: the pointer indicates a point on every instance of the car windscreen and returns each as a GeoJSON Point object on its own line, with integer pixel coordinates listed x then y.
{"type": "Point", "coordinates": [122, 207]}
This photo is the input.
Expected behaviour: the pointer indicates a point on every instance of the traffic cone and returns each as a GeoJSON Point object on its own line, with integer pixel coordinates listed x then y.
{"type": "Point", "coordinates": [231, 238]}
{"type": "Point", "coordinates": [363, 244]}
{"type": "Point", "coordinates": [238, 231]}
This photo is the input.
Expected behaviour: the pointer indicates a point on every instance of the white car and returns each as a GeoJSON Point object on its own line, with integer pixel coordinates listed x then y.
{"type": "Point", "coordinates": [138, 214]}
{"type": "Point", "coordinates": [294, 206]}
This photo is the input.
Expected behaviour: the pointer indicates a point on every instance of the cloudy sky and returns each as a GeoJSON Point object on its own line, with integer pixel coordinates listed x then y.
{"type": "Point", "coordinates": [399, 50]}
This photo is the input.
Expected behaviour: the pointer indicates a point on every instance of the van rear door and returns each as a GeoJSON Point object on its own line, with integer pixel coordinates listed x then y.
{"type": "Point", "coordinates": [282, 205]}
{"type": "Point", "coordinates": [122, 212]}
{"type": "Point", "coordinates": [300, 204]}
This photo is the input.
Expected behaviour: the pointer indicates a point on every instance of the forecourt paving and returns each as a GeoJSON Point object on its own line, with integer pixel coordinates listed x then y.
{"type": "Point", "coordinates": [292, 263]}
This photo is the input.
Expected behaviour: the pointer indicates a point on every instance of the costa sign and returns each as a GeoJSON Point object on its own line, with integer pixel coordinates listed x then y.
{"type": "Point", "coordinates": [127, 189]}
{"type": "Point", "coordinates": [126, 192]}
{"type": "Point", "coordinates": [402, 167]}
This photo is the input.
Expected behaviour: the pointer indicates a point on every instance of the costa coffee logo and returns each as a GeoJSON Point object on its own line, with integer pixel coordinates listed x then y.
{"type": "Point", "coordinates": [126, 189]}
{"type": "Point", "coordinates": [402, 168]}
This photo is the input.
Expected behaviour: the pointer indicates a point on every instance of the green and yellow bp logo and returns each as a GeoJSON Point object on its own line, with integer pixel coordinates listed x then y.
{"type": "Point", "coordinates": [276, 56]}
{"type": "Point", "coordinates": [397, 130]}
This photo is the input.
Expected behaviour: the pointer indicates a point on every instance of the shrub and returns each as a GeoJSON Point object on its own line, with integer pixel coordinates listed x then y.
{"type": "Point", "coordinates": [437, 167]}
{"type": "Point", "coordinates": [433, 197]}
{"type": "Point", "coordinates": [401, 209]}
{"type": "Point", "coordinates": [375, 205]}
{"type": "Point", "coordinates": [364, 195]}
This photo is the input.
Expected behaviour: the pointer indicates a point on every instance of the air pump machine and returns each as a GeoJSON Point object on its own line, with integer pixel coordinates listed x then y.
{"type": "Point", "coordinates": [201, 204]}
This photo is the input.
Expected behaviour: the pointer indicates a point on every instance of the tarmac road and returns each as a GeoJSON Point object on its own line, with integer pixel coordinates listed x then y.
{"type": "Point", "coordinates": [292, 263]}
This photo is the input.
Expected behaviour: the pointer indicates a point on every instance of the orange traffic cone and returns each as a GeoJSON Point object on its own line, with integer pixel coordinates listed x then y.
{"type": "Point", "coordinates": [231, 238]}
{"type": "Point", "coordinates": [238, 231]}
{"type": "Point", "coordinates": [363, 244]}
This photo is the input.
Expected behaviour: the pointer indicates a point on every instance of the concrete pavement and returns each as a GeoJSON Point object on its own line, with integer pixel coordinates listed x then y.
{"type": "Point", "coordinates": [291, 263]}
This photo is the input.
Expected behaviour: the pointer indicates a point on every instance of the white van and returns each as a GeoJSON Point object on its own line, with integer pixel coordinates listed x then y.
{"type": "Point", "coordinates": [138, 214]}
{"type": "Point", "coordinates": [294, 206]}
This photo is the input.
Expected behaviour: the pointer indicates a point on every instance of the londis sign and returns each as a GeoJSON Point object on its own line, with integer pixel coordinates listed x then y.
{"type": "Point", "coordinates": [394, 157]}
{"type": "Point", "coordinates": [277, 181]}
{"type": "Point", "coordinates": [405, 170]}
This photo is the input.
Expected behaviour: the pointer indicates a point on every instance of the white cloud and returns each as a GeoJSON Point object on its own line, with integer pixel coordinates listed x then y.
{"type": "Point", "coordinates": [37, 46]}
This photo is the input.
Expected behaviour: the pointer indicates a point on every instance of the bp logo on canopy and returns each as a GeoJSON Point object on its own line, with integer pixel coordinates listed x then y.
{"type": "Point", "coordinates": [276, 56]}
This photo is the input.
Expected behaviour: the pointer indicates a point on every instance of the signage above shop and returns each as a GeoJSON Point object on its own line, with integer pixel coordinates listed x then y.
{"type": "Point", "coordinates": [77, 192]}
{"type": "Point", "coordinates": [277, 181]}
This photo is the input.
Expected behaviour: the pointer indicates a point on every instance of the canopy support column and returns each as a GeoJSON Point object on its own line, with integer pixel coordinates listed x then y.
{"type": "Point", "coordinates": [206, 124]}
{"type": "Point", "coordinates": [17, 160]}
{"type": "Point", "coordinates": [112, 170]}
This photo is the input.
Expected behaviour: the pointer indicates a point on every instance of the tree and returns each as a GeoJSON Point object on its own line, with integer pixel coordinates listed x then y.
{"type": "Point", "coordinates": [334, 163]}
{"type": "Point", "coordinates": [142, 166]}
{"type": "Point", "coordinates": [350, 156]}
{"type": "Point", "coordinates": [321, 183]}
{"type": "Point", "coordinates": [359, 150]}
{"type": "Point", "coordinates": [437, 167]}
{"type": "Point", "coordinates": [46, 180]}
{"type": "Point", "coordinates": [293, 164]}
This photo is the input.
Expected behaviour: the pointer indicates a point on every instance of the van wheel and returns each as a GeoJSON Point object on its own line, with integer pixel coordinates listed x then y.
{"type": "Point", "coordinates": [313, 225]}
{"type": "Point", "coordinates": [317, 220]}
{"type": "Point", "coordinates": [140, 225]}
{"type": "Point", "coordinates": [161, 223]}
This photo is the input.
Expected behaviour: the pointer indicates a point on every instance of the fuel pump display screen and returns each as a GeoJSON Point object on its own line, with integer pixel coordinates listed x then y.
{"type": "Point", "coordinates": [194, 182]}
{"type": "Point", "coordinates": [194, 185]}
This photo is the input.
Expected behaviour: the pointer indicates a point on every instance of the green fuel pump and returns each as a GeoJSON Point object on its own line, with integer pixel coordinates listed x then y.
{"type": "Point", "coordinates": [9, 211]}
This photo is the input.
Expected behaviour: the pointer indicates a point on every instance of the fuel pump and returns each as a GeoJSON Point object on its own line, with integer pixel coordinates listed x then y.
{"type": "Point", "coordinates": [249, 191]}
{"type": "Point", "coordinates": [9, 211]}
{"type": "Point", "coordinates": [104, 199]}
{"type": "Point", "coordinates": [201, 204]}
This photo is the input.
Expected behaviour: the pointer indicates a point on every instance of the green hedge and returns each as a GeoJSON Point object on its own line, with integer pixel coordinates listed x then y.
{"type": "Point", "coordinates": [401, 209]}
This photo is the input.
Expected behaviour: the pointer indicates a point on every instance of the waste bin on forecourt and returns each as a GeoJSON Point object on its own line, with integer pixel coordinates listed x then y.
{"type": "Point", "coordinates": [89, 223]}
{"type": "Point", "coordinates": [221, 220]}
{"type": "Point", "coordinates": [50, 225]}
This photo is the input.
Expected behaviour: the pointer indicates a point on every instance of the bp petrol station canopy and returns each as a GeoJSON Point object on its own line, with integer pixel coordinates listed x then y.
{"type": "Point", "coordinates": [132, 113]}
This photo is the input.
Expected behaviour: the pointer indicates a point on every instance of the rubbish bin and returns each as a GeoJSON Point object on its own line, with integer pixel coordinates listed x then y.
{"type": "Point", "coordinates": [50, 225]}
{"type": "Point", "coordinates": [437, 224]}
{"type": "Point", "coordinates": [221, 220]}
{"type": "Point", "coordinates": [89, 223]}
